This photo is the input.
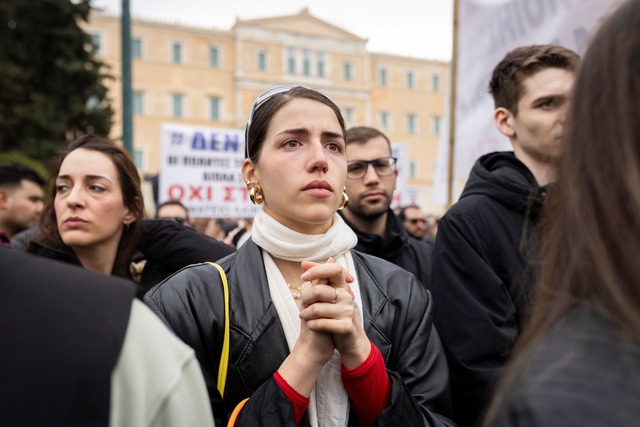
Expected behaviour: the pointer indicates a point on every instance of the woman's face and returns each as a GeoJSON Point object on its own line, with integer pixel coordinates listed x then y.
{"type": "Point", "coordinates": [302, 166]}
{"type": "Point", "coordinates": [89, 207]}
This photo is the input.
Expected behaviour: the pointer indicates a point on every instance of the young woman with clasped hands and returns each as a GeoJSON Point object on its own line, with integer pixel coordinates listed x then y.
{"type": "Point", "coordinates": [320, 334]}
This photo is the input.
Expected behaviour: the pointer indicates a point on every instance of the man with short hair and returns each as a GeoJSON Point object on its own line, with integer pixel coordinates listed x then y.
{"type": "Point", "coordinates": [371, 180]}
{"type": "Point", "coordinates": [175, 210]}
{"type": "Point", "coordinates": [486, 243]}
{"type": "Point", "coordinates": [413, 221]}
{"type": "Point", "coordinates": [21, 198]}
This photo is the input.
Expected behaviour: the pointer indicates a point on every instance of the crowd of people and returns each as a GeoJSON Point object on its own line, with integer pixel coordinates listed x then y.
{"type": "Point", "coordinates": [519, 307]}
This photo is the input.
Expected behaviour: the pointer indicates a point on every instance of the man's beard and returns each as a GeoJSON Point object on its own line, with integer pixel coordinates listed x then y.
{"type": "Point", "coordinates": [367, 212]}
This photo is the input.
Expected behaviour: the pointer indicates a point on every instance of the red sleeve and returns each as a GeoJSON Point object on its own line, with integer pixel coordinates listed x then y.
{"type": "Point", "coordinates": [368, 387]}
{"type": "Point", "coordinates": [298, 401]}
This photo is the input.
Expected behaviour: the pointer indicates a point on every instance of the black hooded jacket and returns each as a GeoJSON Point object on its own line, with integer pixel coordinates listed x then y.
{"type": "Point", "coordinates": [483, 257]}
{"type": "Point", "coordinates": [397, 247]}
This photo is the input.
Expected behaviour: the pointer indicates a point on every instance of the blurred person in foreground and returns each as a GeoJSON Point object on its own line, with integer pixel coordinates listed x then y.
{"type": "Point", "coordinates": [578, 360]}
{"type": "Point", "coordinates": [78, 349]}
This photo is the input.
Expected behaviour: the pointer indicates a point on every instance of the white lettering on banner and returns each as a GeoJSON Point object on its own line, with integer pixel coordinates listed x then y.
{"type": "Point", "coordinates": [201, 167]}
{"type": "Point", "coordinates": [487, 30]}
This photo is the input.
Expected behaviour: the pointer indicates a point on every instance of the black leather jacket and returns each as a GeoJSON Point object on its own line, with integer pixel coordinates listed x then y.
{"type": "Point", "coordinates": [397, 319]}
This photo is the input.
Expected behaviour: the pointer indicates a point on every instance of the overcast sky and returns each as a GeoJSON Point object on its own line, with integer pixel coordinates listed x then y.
{"type": "Point", "coordinates": [419, 28]}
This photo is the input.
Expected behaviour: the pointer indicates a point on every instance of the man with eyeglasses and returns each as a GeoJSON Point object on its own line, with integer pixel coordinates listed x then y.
{"type": "Point", "coordinates": [371, 180]}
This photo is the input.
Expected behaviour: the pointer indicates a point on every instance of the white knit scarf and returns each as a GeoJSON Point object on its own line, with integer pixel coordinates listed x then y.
{"type": "Point", "coordinates": [329, 403]}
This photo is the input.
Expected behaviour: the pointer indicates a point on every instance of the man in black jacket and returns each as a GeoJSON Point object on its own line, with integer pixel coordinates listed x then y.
{"type": "Point", "coordinates": [368, 213]}
{"type": "Point", "coordinates": [486, 242]}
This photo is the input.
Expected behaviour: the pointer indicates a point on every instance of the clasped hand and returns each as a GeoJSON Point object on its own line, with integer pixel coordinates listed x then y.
{"type": "Point", "coordinates": [329, 314]}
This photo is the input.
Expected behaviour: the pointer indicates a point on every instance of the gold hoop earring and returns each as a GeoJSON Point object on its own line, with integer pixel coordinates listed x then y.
{"type": "Point", "coordinates": [345, 200]}
{"type": "Point", "coordinates": [256, 196]}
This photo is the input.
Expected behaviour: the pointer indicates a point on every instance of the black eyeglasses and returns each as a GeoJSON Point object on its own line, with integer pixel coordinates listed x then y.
{"type": "Point", "coordinates": [384, 166]}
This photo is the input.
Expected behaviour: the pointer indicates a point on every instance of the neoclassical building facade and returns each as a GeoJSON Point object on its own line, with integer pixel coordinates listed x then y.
{"type": "Point", "coordinates": [209, 77]}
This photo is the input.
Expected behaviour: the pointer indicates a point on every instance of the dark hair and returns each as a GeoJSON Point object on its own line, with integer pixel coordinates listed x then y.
{"type": "Point", "coordinates": [257, 129]}
{"type": "Point", "coordinates": [402, 212]}
{"type": "Point", "coordinates": [362, 134]}
{"type": "Point", "coordinates": [12, 174]}
{"type": "Point", "coordinates": [506, 81]}
{"type": "Point", "coordinates": [590, 245]}
{"type": "Point", "coordinates": [172, 203]}
{"type": "Point", "coordinates": [131, 196]}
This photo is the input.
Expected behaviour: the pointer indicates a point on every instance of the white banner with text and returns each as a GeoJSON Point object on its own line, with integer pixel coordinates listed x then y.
{"type": "Point", "coordinates": [487, 30]}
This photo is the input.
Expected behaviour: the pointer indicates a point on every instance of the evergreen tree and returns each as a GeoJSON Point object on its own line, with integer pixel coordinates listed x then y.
{"type": "Point", "coordinates": [51, 84]}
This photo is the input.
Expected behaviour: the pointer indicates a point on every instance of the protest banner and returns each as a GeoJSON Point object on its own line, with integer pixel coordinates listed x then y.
{"type": "Point", "coordinates": [402, 195]}
{"type": "Point", "coordinates": [201, 167]}
{"type": "Point", "coordinates": [487, 30]}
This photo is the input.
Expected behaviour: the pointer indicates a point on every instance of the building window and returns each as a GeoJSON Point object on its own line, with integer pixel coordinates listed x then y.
{"type": "Point", "coordinates": [214, 108]}
{"type": "Point", "coordinates": [435, 82]}
{"type": "Point", "coordinates": [384, 120]}
{"type": "Point", "coordinates": [136, 48]}
{"type": "Point", "coordinates": [410, 82]}
{"type": "Point", "coordinates": [214, 57]}
{"type": "Point", "coordinates": [413, 169]}
{"type": "Point", "coordinates": [262, 60]}
{"type": "Point", "coordinates": [138, 102]}
{"type": "Point", "coordinates": [320, 66]}
{"type": "Point", "coordinates": [382, 76]}
{"type": "Point", "coordinates": [346, 71]}
{"type": "Point", "coordinates": [176, 105]}
{"type": "Point", "coordinates": [306, 63]}
{"type": "Point", "coordinates": [291, 60]}
{"type": "Point", "coordinates": [176, 52]}
{"type": "Point", "coordinates": [96, 43]}
{"type": "Point", "coordinates": [348, 115]}
{"type": "Point", "coordinates": [411, 123]}
{"type": "Point", "coordinates": [435, 125]}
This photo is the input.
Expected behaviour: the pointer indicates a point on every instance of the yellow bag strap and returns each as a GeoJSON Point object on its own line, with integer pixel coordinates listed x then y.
{"type": "Point", "coordinates": [224, 355]}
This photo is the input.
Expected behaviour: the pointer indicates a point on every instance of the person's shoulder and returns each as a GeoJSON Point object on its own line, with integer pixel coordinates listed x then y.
{"type": "Point", "coordinates": [378, 266]}
{"type": "Point", "coordinates": [390, 278]}
{"type": "Point", "coordinates": [471, 206]}
{"type": "Point", "coordinates": [35, 271]}
{"type": "Point", "coordinates": [196, 280]}
{"type": "Point", "coordinates": [423, 248]}
{"type": "Point", "coordinates": [581, 373]}
{"type": "Point", "coordinates": [156, 375]}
